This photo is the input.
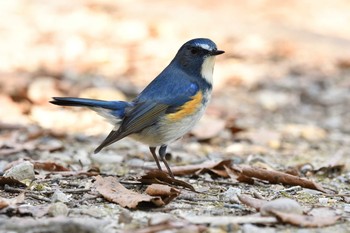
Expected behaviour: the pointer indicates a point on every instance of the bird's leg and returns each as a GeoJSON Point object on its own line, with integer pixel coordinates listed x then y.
{"type": "Point", "coordinates": [153, 152]}
{"type": "Point", "coordinates": [162, 153]}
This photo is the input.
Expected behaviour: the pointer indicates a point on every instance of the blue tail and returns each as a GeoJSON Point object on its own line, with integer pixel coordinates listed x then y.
{"type": "Point", "coordinates": [112, 108]}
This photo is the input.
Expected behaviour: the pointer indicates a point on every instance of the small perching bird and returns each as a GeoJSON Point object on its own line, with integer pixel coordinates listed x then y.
{"type": "Point", "coordinates": [167, 108]}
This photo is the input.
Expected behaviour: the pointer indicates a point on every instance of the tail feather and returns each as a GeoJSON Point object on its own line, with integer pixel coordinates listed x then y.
{"type": "Point", "coordinates": [108, 109]}
{"type": "Point", "coordinates": [83, 102]}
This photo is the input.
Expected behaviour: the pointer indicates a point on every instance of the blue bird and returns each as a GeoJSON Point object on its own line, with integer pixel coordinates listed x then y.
{"type": "Point", "coordinates": [167, 108]}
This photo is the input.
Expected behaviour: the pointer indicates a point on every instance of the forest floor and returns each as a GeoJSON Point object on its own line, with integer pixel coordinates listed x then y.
{"type": "Point", "coordinates": [271, 154]}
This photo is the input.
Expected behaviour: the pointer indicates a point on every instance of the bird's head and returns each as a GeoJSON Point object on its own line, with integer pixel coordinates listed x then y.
{"type": "Point", "coordinates": [197, 57]}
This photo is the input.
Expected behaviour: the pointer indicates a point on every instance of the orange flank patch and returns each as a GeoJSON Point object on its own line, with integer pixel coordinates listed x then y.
{"type": "Point", "coordinates": [188, 108]}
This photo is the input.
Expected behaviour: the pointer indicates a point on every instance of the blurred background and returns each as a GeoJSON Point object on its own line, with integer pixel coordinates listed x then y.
{"type": "Point", "coordinates": [283, 82]}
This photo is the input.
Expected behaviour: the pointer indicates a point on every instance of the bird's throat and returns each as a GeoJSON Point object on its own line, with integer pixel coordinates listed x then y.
{"type": "Point", "coordinates": [207, 69]}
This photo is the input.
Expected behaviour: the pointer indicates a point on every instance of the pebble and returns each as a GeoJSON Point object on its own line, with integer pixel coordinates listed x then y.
{"type": "Point", "coordinates": [285, 205]}
{"type": "Point", "coordinates": [231, 194]}
{"type": "Point", "coordinates": [21, 171]}
{"type": "Point", "coordinates": [323, 200]}
{"type": "Point", "coordinates": [125, 216]}
{"type": "Point", "coordinates": [347, 208]}
{"type": "Point", "coordinates": [58, 209]}
{"type": "Point", "coordinates": [250, 228]}
{"type": "Point", "coordinates": [59, 196]}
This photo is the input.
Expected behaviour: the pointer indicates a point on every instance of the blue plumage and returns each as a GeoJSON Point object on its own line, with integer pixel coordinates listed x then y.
{"type": "Point", "coordinates": [168, 107]}
{"type": "Point", "coordinates": [115, 108]}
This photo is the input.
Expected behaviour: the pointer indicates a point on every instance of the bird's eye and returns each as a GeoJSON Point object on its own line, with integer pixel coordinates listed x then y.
{"type": "Point", "coordinates": [194, 51]}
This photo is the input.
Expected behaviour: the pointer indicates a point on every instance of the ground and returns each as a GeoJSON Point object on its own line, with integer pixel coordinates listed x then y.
{"type": "Point", "coordinates": [280, 104]}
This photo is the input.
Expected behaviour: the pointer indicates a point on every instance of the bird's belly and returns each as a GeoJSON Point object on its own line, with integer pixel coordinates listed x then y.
{"type": "Point", "coordinates": [166, 130]}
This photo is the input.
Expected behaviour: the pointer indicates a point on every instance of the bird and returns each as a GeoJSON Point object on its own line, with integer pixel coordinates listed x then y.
{"type": "Point", "coordinates": [167, 108]}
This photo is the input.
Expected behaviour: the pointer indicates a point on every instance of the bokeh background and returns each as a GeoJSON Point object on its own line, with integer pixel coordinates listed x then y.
{"type": "Point", "coordinates": [284, 76]}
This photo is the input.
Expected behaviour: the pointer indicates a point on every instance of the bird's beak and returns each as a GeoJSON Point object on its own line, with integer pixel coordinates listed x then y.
{"type": "Point", "coordinates": [216, 52]}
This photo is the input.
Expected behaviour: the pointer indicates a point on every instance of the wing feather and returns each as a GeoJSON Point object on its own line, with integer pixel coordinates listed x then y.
{"type": "Point", "coordinates": [140, 117]}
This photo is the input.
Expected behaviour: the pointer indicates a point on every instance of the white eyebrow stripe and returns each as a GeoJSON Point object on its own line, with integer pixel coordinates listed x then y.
{"type": "Point", "coordinates": [204, 46]}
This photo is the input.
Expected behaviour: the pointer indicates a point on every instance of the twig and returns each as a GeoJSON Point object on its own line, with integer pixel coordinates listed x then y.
{"type": "Point", "coordinates": [61, 178]}
{"type": "Point", "coordinates": [10, 189]}
{"type": "Point", "coordinates": [82, 190]}
{"type": "Point", "coordinates": [18, 190]}
{"type": "Point", "coordinates": [258, 195]}
{"type": "Point", "coordinates": [291, 189]}
{"type": "Point", "coordinates": [38, 197]}
{"type": "Point", "coordinates": [90, 198]}
{"type": "Point", "coordinates": [220, 182]}
{"type": "Point", "coordinates": [187, 198]}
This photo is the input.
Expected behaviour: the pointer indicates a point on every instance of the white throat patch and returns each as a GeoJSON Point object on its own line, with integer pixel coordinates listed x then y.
{"type": "Point", "coordinates": [207, 69]}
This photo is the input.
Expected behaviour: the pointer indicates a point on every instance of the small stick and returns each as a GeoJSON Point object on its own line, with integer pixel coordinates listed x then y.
{"type": "Point", "coordinates": [38, 197]}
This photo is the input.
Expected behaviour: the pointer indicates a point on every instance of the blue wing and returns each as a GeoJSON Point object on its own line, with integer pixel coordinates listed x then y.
{"type": "Point", "coordinates": [171, 88]}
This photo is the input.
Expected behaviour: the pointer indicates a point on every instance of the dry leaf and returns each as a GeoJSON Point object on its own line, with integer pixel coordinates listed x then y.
{"type": "Point", "coordinates": [3, 203]}
{"type": "Point", "coordinates": [304, 220]}
{"type": "Point", "coordinates": [161, 177]}
{"type": "Point", "coordinates": [276, 177]}
{"type": "Point", "coordinates": [252, 202]}
{"type": "Point", "coordinates": [10, 181]}
{"type": "Point", "coordinates": [49, 166]}
{"type": "Point", "coordinates": [113, 191]}
{"type": "Point", "coordinates": [166, 192]}
{"type": "Point", "coordinates": [217, 168]}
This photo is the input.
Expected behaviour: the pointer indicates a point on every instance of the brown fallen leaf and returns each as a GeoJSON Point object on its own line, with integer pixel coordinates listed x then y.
{"type": "Point", "coordinates": [304, 220]}
{"type": "Point", "coordinates": [113, 191]}
{"type": "Point", "coordinates": [252, 202]}
{"type": "Point", "coordinates": [161, 177]}
{"type": "Point", "coordinates": [49, 166]}
{"type": "Point", "coordinates": [10, 181]}
{"type": "Point", "coordinates": [217, 168]}
{"type": "Point", "coordinates": [231, 124]}
{"type": "Point", "coordinates": [231, 174]}
{"type": "Point", "coordinates": [3, 202]}
{"type": "Point", "coordinates": [166, 192]}
{"type": "Point", "coordinates": [276, 177]}
{"type": "Point", "coordinates": [39, 165]}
